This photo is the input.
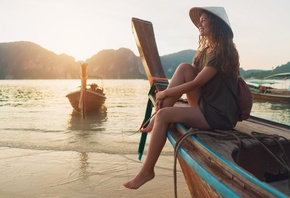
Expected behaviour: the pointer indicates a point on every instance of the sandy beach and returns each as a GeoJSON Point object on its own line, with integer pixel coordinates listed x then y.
{"type": "Point", "coordinates": [36, 173]}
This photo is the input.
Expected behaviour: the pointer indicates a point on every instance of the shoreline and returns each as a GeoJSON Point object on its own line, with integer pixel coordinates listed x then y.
{"type": "Point", "coordinates": [45, 173]}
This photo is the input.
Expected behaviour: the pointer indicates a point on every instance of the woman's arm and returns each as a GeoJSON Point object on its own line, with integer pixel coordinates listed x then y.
{"type": "Point", "coordinates": [203, 76]}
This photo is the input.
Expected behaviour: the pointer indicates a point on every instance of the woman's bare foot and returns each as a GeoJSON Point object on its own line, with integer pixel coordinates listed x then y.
{"type": "Point", "coordinates": [139, 180]}
{"type": "Point", "coordinates": [149, 127]}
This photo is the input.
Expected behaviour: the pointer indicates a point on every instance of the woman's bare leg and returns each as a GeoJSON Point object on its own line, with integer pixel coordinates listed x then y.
{"type": "Point", "coordinates": [184, 73]}
{"type": "Point", "coordinates": [149, 127]}
{"type": "Point", "coordinates": [158, 139]}
{"type": "Point", "coordinates": [191, 117]}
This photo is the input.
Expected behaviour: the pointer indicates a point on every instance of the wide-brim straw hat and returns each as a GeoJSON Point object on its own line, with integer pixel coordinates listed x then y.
{"type": "Point", "coordinates": [220, 12]}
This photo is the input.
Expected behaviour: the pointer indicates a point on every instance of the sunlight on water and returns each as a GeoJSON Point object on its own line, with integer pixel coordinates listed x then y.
{"type": "Point", "coordinates": [35, 114]}
{"type": "Point", "coordinates": [43, 141]}
{"type": "Point", "coordinates": [279, 112]}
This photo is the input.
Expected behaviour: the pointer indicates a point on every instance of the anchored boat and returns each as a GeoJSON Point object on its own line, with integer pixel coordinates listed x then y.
{"type": "Point", "coordinates": [249, 161]}
{"type": "Point", "coordinates": [274, 88]}
{"type": "Point", "coordinates": [89, 97]}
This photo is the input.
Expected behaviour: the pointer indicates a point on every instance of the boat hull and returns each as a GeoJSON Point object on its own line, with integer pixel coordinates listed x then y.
{"type": "Point", "coordinates": [93, 101]}
{"type": "Point", "coordinates": [271, 97]}
{"type": "Point", "coordinates": [211, 168]}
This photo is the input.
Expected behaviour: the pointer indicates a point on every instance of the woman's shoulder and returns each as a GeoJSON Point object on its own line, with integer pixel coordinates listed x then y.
{"type": "Point", "coordinates": [213, 61]}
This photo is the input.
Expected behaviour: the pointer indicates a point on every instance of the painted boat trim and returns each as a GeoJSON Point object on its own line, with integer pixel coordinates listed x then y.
{"type": "Point", "coordinates": [221, 188]}
{"type": "Point", "coordinates": [213, 181]}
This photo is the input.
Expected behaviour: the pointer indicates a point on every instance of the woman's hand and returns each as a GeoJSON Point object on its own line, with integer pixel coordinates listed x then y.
{"type": "Point", "coordinates": [160, 96]}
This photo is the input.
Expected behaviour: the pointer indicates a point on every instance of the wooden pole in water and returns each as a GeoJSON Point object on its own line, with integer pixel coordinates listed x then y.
{"type": "Point", "coordinates": [83, 75]}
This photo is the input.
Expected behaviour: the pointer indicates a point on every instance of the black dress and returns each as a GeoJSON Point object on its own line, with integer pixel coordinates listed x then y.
{"type": "Point", "coordinates": [217, 102]}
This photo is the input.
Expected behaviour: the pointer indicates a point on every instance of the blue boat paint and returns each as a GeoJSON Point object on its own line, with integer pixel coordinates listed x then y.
{"type": "Point", "coordinates": [221, 188]}
{"type": "Point", "coordinates": [210, 179]}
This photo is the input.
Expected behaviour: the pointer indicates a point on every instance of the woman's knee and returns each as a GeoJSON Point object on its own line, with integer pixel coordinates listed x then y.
{"type": "Point", "coordinates": [187, 70]}
{"type": "Point", "coordinates": [162, 114]}
{"type": "Point", "coordinates": [184, 67]}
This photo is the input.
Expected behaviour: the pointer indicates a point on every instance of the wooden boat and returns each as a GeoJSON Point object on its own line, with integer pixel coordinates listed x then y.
{"type": "Point", "coordinates": [276, 81]}
{"type": "Point", "coordinates": [266, 93]}
{"type": "Point", "coordinates": [244, 162]}
{"type": "Point", "coordinates": [89, 98]}
{"type": "Point", "coordinates": [271, 97]}
{"type": "Point", "coordinates": [272, 88]}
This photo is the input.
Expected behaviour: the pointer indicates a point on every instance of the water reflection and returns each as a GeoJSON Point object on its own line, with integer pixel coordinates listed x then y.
{"type": "Point", "coordinates": [272, 111]}
{"type": "Point", "coordinates": [273, 105]}
{"type": "Point", "coordinates": [26, 96]}
{"type": "Point", "coordinates": [92, 121]}
{"type": "Point", "coordinates": [84, 164]}
{"type": "Point", "coordinates": [84, 136]}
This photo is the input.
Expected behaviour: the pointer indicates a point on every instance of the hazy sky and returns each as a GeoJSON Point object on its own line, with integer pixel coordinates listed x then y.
{"type": "Point", "coordinates": [81, 28]}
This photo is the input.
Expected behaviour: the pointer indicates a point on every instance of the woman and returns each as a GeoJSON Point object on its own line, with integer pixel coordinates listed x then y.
{"type": "Point", "coordinates": [206, 83]}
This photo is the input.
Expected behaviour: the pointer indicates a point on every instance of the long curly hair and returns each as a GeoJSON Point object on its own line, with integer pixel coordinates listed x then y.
{"type": "Point", "coordinates": [221, 40]}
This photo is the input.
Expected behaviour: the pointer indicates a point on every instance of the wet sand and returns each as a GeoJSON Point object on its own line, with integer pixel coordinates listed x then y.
{"type": "Point", "coordinates": [36, 173]}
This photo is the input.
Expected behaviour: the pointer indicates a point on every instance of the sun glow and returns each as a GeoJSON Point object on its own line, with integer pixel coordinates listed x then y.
{"type": "Point", "coordinates": [82, 28]}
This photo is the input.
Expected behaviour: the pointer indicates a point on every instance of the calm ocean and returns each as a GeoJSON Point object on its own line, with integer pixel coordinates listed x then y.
{"type": "Point", "coordinates": [36, 115]}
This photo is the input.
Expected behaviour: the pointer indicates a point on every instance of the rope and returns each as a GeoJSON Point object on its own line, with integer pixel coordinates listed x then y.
{"type": "Point", "coordinates": [148, 115]}
{"type": "Point", "coordinates": [237, 135]}
{"type": "Point", "coordinates": [145, 123]}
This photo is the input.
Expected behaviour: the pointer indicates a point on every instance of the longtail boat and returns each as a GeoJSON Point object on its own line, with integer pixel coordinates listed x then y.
{"type": "Point", "coordinates": [271, 97]}
{"type": "Point", "coordinates": [249, 161]}
{"type": "Point", "coordinates": [276, 81]}
{"type": "Point", "coordinates": [89, 97]}
{"type": "Point", "coordinates": [266, 93]}
{"type": "Point", "coordinates": [274, 88]}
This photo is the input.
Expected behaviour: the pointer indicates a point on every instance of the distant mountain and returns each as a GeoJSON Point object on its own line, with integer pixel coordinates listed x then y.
{"type": "Point", "coordinates": [27, 60]}
{"type": "Point", "coordinates": [124, 64]}
{"type": "Point", "coordinates": [116, 64]}
{"type": "Point", "coordinates": [260, 74]}
{"type": "Point", "coordinates": [171, 61]}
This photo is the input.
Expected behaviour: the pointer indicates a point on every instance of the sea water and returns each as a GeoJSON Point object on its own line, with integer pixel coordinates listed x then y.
{"type": "Point", "coordinates": [37, 120]}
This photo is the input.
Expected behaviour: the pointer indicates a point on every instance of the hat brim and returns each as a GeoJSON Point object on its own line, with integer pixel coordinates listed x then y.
{"type": "Point", "coordinates": [195, 14]}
